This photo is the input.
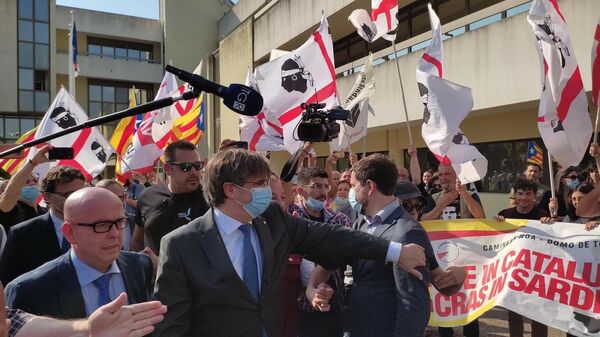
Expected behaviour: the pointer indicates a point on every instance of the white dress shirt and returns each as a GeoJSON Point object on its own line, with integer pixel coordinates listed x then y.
{"type": "Point", "coordinates": [233, 238]}
{"type": "Point", "coordinates": [57, 222]}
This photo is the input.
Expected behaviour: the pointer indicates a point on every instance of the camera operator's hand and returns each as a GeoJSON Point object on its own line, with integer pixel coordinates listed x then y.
{"type": "Point", "coordinates": [41, 156]}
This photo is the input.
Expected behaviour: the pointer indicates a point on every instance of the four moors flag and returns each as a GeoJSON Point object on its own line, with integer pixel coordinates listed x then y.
{"type": "Point", "coordinates": [90, 147]}
{"type": "Point", "coordinates": [305, 75]}
{"type": "Point", "coordinates": [563, 118]}
{"type": "Point", "coordinates": [381, 23]}
{"type": "Point", "coordinates": [357, 102]}
{"type": "Point", "coordinates": [261, 132]}
{"type": "Point", "coordinates": [447, 104]}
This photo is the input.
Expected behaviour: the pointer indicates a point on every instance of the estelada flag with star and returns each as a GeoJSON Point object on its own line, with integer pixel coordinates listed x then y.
{"type": "Point", "coordinates": [535, 154]}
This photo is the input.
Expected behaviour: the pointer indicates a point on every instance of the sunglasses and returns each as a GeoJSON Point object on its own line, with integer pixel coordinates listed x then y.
{"type": "Point", "coordinates": [572, 177]}
{"type": "Point", "coordinates": [187, 167]}
{"type": "Point", "coordinates": [410, 206]}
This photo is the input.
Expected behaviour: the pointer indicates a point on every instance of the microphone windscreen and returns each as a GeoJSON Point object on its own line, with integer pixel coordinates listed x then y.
{"type": "Point", "coordinates": [243, 100]}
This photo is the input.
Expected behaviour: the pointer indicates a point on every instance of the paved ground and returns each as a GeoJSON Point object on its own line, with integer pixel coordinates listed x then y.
{"type": "Point", "coordinates": [494, 323]}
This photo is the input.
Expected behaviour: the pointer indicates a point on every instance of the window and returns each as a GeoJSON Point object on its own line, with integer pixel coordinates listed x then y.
{"type": "Point", "coordinates": [33, 56]}
{"type": "Point", "coordinates": [13, 127]}
{"type": "Point", "coordinates": [413, 20]}
{"type": "Point", "coordinates": [120, 49]}
{"type": "Point", "coordinates": [108, 97]}
{"type": "Point", "coordinates": [506, 162]}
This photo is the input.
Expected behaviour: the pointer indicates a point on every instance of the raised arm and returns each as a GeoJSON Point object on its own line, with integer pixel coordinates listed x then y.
{"type": "Point", "coordinates": [415, 167]}
{"type": "Point", "coordinates": [9, 198]}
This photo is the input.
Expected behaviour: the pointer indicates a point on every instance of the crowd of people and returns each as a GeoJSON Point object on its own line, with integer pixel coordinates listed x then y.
{"type": "Point", "coordinates": [230, 249]}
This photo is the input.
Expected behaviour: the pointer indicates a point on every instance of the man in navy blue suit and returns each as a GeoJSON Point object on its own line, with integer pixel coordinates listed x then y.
{"type": "Point", "coordinates": [94, 272]}
{"type": "Point", "coordinates": [386, 300]}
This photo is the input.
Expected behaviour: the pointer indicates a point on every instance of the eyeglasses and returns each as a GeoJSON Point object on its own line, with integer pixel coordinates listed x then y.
{"type": "Point", "coordinates": [573, 177]}
{"type": "Point", "coordinates": [259, 183]}
{"type": "Point", "coordinates": [410, 206]}
{"type": "Point", "coordinates": [64, 195]}
{"type": "Point", "coordinates": [187, 167]}
{"type": "Point", "coordinates": [319, 186]}
{"type": "Point", "coordinates": [105, 226]}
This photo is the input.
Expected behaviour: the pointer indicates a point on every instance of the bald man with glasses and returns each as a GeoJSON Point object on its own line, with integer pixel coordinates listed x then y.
{"type": "Point", "coordinates": [95, 270]}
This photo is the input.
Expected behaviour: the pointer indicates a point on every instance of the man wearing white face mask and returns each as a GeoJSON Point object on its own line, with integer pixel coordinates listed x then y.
{"type": "Point", "coordinates": [221, 274]}
{"type": "Point", "coordinates": [313, 187]}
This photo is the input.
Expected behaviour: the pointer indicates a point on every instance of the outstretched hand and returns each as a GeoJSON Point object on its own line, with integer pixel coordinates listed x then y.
{"type": "Point", "coordinates": [411, 257]}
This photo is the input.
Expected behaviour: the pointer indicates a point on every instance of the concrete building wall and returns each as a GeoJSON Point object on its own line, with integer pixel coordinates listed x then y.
{"type": "Point", "coordinates": [190, 30]}
{"type": "Point", "coordinates": [109, 24]}
{"type": "Point", "coordinates": [289, 18]}
{"type": "Point", "coordinates": [8, 56]}
{"type": "Point", "coordinates": [235, 53]}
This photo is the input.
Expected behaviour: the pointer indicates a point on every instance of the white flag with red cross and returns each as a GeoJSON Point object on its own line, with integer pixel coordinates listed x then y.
{"type": "Point", "coordinates": [447, 104]}
{"type": "Point", "coordinates": [305, 75]}
{"type": "Point", "coordinates": [563, 118]}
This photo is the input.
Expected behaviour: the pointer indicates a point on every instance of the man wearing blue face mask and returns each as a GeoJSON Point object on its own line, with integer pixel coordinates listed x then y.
{"type": "Point", "coordinates": [221, 274]}
{"type": "Point", "coordinates": [313, 187]}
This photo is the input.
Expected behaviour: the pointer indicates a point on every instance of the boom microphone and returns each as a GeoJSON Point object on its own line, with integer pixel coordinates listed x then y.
{"type": "Point", "coordinates": [237, 97]}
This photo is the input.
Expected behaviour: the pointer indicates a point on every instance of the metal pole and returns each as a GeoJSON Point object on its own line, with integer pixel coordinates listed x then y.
{"type": "Point", "coordinates": [70, 58]}
{"type": "Point", "coordinates": [410, 138]}
{"type": "Point", "coordinates": [551, 172]}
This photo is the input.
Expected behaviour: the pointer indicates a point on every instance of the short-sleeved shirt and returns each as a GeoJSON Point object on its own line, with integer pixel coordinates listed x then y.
{"type": "Point", "coordinates": [535, 214]}
{"type": "Point", "coordinates": [159, 212]}
{"type": "Point", "coordinates": [453, 210]}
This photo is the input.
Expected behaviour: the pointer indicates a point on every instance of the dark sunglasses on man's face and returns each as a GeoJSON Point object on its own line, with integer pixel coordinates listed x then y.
{"type": "Point", "coordinates": [410, 206]}
{"type": "Point", "coordinates": [187, 167]}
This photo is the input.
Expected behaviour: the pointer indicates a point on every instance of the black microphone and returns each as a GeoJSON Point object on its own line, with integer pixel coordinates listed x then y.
{"type": "Point", "coordinates": [237, 97]}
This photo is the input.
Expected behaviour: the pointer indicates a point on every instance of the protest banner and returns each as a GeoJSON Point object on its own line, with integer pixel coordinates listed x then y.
{"type": "Point", "coordinates": [548, 273]}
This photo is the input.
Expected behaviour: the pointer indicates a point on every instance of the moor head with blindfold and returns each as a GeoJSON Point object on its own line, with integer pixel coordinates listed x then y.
{"type": "Point", "coordinates": [63, 117]}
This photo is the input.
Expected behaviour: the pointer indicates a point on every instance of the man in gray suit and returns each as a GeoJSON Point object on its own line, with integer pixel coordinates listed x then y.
{"type": "Point", "coordinates": [220, 275]}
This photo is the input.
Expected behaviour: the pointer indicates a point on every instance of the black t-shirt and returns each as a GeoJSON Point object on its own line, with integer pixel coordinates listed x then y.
{"type": "Point", "coordinates": [535, 214]}
{"type": "Point", "coordinates": [159, 212]}
{"type": "Point", "coordinates": [21, 212]}
{"type": "Point", "coordinates": [450, 212]}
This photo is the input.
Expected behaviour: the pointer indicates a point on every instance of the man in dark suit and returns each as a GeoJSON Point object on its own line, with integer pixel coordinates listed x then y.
{"type": "Point", "coordinates": [386, 300]}
{"type": "Point", "coordinates": [94, 272]}
{"type": "Point", "coordinates": [39, 240]}
{"type": "Point", "coordinates": [221, 274]}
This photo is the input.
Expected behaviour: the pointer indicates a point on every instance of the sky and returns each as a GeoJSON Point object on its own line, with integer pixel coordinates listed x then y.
{"type": "Point", "coordinates": [141, 8]}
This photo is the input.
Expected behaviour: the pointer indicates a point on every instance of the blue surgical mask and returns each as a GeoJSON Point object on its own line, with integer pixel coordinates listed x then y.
{"type": "Point", "coordinates": [315, 204]}
{"type": "Point", "coordinates": [261, 198]}
{"type": "Point", "coordinates": [30, 193]}
{"type": "Point", "coordinates": [341, 202]}
{"type": "Point", "coordinates": [572, 184]}
{"type": "Point", "coordinates": [356, 205]}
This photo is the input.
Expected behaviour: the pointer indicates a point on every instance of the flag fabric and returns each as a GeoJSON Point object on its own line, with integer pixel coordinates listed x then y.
{"type": "Point", "coordinates": [73, 42]}
{"type": "Point", "coordinates": [141, 154]}
{"type": "Point", "coordinates": [123, 135]}
{"type": "Point", "coordinates": [162, 126]}
{"type": "Point", "coordinates": [535, 154]}
{"type": "Point", "coordinates": [357, 102]}
{"type": "Point", "coordinates": [596, 65]}
{"type": "Point", "coordinates": [381, 23]}
{"type": "Point", "coordinates": [252, 128]}
{"type": "Point", "coordinates": [563, 119]}
{"type": "Point", "coordinates": [447, 104]}
{"type": "Point", "coordinates": [11, 166]}
{"type": "Point", "coordinates": [191, 126]}
{"type": "Point", "coordinates": [91, 149]}
{"type": "Point", "coordinates": [305, 75]}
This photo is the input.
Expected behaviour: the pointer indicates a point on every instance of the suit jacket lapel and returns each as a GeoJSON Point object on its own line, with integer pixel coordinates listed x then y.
{"type": "Point", "coordinates": [266, 246]}
{"type": "Point", "coordinates": [212, 244]}
{"type": "Point", "coordinates": [388, 222]}
{"type": "Point", "coordinates": [134, 285]}
{"type": "Point", "coordinates": [68, 289]}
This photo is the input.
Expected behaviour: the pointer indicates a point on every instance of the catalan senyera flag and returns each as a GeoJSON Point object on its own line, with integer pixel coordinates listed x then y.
{"type": "Point", "coordinates": [535, 154]}
{"type": "Point", "coordinates": [123, 134]}
{"type": "Point", "coordinates": [191, 126]}
{"type": "Point", "coordinates": [13, 165]}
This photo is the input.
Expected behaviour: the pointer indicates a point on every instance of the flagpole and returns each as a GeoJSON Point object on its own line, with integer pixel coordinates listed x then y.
{"type": "Point", "coordinates": [70, 58]}
{"type": "Point", "coordinates": [551, 172]}
{"type": "Point", "coordinates": [596, 124]}
{"type": "Point", "coordinates": [410, 138]}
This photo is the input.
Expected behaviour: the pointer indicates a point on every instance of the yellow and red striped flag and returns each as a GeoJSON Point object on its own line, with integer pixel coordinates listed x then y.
{"type": "Point", "coordinates": [123, 134]}
{"type": "Point", "coordinates": [12, 165]}
{"type": "Point", "coordinates": [191, 126]}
